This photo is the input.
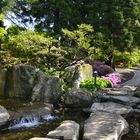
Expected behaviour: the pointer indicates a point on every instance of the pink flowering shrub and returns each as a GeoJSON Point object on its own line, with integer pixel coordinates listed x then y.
{"type": "Point", "coordinates": [114, 78]}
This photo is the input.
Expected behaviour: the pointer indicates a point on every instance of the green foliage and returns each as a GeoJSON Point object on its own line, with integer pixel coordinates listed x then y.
{"type": "Point", "coordinates": [127, 59]}
{"type": "Point", "coordinates": [100, 84]}
{"type": "Point", "coordinates": [50, 72]}
{"type": "Point", "coordinates": [65, 88]}
{"type": "Point", "coordinates": [2, 35]}
{"type": "Point", "coordinates": [14, 30]}
{"type": "Point", "coordinates": [27, 44]}
{"type": "Point", "coordinates": [78, 42]}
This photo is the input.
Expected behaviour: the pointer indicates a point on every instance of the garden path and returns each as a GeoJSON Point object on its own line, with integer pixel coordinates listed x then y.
{"type": "Point", "coordinates": [135, 81]}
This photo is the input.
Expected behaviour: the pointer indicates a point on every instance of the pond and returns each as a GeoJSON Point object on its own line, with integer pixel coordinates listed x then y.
{"type": "Point", "coordinates": [60, 115]}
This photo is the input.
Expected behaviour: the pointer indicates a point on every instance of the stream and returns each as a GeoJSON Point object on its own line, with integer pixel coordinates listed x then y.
{"type": "Point", "coordinates": [25, 128]}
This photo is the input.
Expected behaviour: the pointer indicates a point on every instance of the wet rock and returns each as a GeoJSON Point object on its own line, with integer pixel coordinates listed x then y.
{"type": "Point", "coordinates": [31, 111]}
{"type": "Point", "coordinates": [78, 98]}
{"type": "Point", "coordinates": [4, 115]}
{"type": "Point", "coordinates": [111, 107]}
{"type": "Point", "coordinates": [126, 100]}
{"type": "Point", "coordinates": [68, 129]}
{"type": "Point", "coordinates": [108, 126]}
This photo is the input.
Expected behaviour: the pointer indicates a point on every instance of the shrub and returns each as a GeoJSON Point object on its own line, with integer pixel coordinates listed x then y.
{"type": "Point", "coordinates": [100, 67]}
{"type": "Point", "coordinates": [100, 84]}
{"type": "Point", "coordinates": [127, 59]}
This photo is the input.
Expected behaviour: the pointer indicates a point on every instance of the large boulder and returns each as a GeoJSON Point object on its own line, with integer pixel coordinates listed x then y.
{"type": "Point", "coordinates": [68, 129]}
{"type": "Point", "coordinates": [75, 74]}
{"type": "Point", "coordinates": [107, 126]}
{"type": "Point", "coordinates": [4, 115]}
{"type": "Point", "coordinates": [20, 81]}
{"type": "Point", "coordinates": [47, 89]}
{"type": "Point", "coordinates": [29, 83]}
{"type": "Point", "coordinates": [2, 81]}
{"type": "Point", "coordinates": [79, 98]}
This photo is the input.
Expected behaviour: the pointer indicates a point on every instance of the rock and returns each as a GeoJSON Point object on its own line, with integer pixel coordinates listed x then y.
{"type": "Point", "coordinates": [137, 92]}
{"type": "Point", "coordinates": [20, 81]}
{"type": "Point", "coordinates": [114, 91]}
{"type": "Point", "coordinates": [31, 111]}
{"type": "Point", "coordinates": [47, 89]}
{"type": "Point", "coordinates": [125, 90]}
{"type": "Point", "coordinates": [68, 129]}
{"type": "Point", "coordinates": [4, 115]}
{"type": "Point", "coordinates": [129, 88]}
{"type": "Point", "coordinates": [138, 106]}
{"type": "Point", "coordinates": [2, 82]}
{"type": "Point", "coordinates": [52, 90]}
{"type": "Point", "coordinates": [111, 107]}
{"type": "Point", "coordinates": [37, 138]}
{"type": "Point", "coordinates": [107, 126]}
{"type": "Point", "coordinates": [75, 74]}
{"type": "Point", "coordinates": [126, 100]}
{"type": "Point", "coordinates": [39, 87]}
{"type": "Point", "coordinates": [137, 111]}
{"type": "Point", "coordinates": [29, 83]}
{"type": "Point", "coordinates": [137, 65]}
{"type": "Point", "coordinates": [78, 98]}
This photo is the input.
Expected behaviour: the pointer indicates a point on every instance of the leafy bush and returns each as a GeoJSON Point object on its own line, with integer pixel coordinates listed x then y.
{"type": "Point", "coordinates": [100, 67]}
{"type": "Point", "coordinates": [100, 84]}
{"type": "Point", "coordinates": [127, 59]}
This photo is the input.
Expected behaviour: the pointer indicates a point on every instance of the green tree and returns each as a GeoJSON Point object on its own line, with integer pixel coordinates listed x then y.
{"type": "Point", "coordinates": [117, 20]}
{"type": "Point", "coordinates": [78, 42]}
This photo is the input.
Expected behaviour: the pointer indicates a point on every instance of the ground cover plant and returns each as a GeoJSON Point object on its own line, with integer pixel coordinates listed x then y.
{"type": "Point", "coordinates": [91, 85]}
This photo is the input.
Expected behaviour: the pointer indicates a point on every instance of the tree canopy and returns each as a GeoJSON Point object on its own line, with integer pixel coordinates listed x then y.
{"type": "Point", "coordinates": [116, 24]}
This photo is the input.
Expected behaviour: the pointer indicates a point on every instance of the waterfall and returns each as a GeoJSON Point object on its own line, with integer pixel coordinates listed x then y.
{"type": "Point", "coordinates": [29, 121]}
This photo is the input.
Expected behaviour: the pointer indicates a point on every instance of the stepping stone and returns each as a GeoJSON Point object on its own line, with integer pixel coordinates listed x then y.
{"type": "Point", "coordinates": [68, 129]}
{"type": "Point", "coordinates": [111, 107]}
{"type": "Point", "coordinates": [127, 100]}
{"type": "Point", "coordinates": [105, 126]}
{"type": "Point", "coordinates": [129, 88]}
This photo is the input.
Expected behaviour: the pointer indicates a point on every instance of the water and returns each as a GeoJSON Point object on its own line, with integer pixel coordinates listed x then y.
{"type": "Point", "coordinates": [25, 122]}
{"type": "Point", "coordinates": [28, 127]}
{"type": "Point", "coordinates": [134, 128]}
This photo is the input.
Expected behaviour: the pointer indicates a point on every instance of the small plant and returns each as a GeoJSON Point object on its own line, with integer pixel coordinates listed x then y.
{"type": "Point", "coordinates": [100, 84]}
{"type": "Point", "coordinates": [65, 87]}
